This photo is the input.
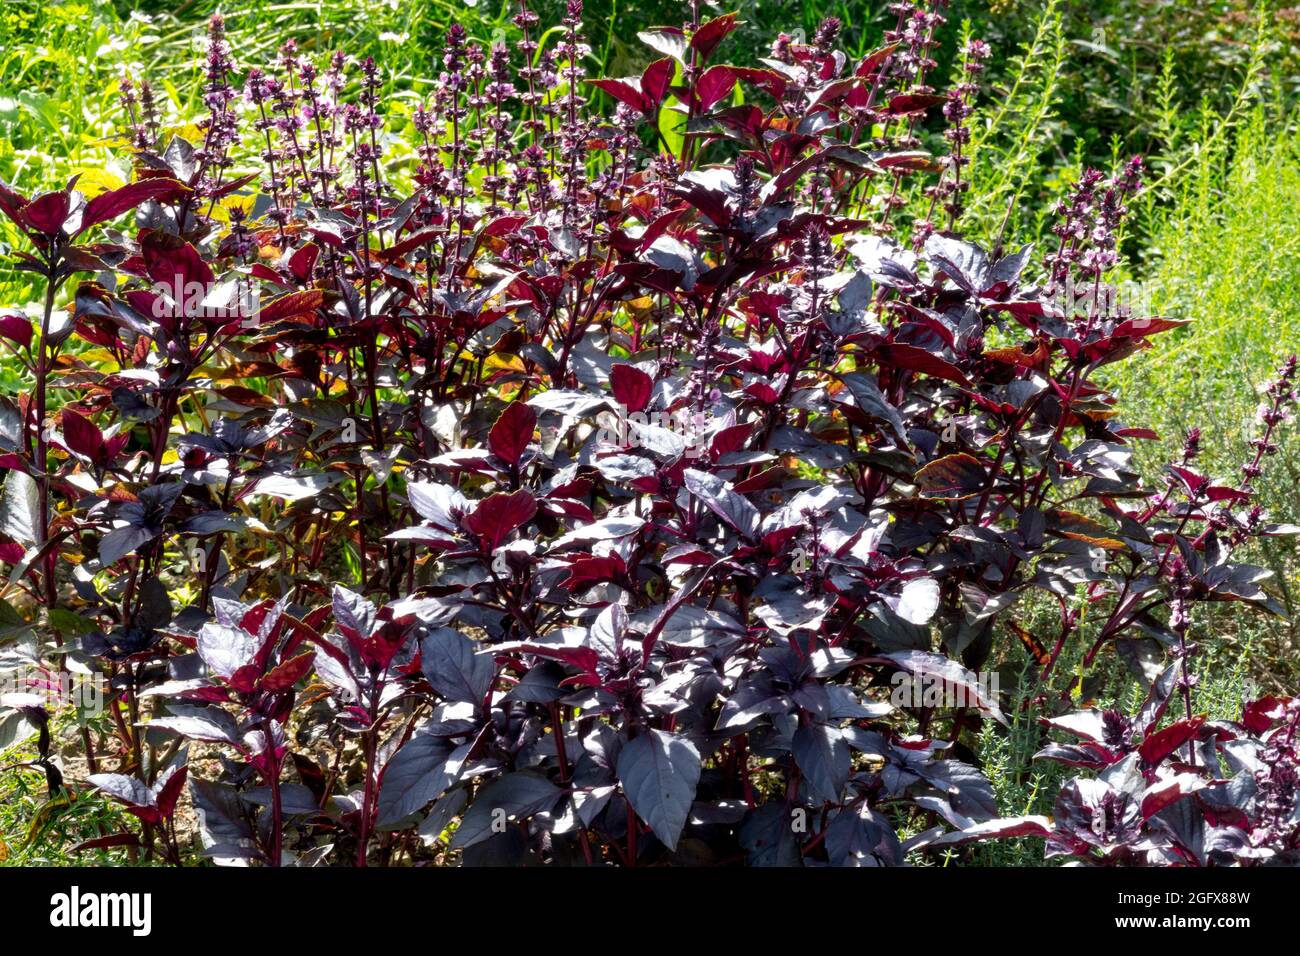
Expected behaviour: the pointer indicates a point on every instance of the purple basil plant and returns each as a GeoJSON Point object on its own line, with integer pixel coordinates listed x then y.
{"type": "Point", "coordinates": [571, 470]}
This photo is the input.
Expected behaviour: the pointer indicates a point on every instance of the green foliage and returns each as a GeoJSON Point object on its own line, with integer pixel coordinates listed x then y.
{"type": "Point", "coordinates": [1225, 254]}
{"type": "Point", "coordinates": [1016, 131]}
{"type": "Point", "coordinates": [1204, 90]}
{"type": "Point", "coordinates": [1025, 786]}
{"type": "Point", "coordinates": [37, 829]}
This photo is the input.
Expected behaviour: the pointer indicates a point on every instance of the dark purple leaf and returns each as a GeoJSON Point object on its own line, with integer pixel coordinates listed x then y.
{"type": "Point", "coordinates": [497, 516]}
{"type": "Point", "coordinates": [659, 772]}
{"type": "Point", "coordinates": [510, 436]}
{"type": "Point", "coordinates": [455, 667]}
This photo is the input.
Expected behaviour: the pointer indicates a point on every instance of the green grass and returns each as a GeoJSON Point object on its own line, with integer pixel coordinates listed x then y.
{"type": "Point", "coordinates": [40, 828]}
{"type": "Point", "coordinates": [1226, 255]}
{"type": "Point", "coordinates": [1214, 239]}
{"type": "Point", "coordinates": [1012, 137]}
{"type": "Point", "coordinates": [1025, 786]}
{"type": "Point", "coordinates": [37, 830]}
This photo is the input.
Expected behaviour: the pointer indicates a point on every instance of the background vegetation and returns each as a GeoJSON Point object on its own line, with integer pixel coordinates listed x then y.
{"type": "Point", "coordinates": [1204, 90]}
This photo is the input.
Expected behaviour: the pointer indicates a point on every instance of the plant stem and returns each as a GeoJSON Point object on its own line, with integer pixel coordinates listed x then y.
{"type": "Point", "coordinates": [42, 448]}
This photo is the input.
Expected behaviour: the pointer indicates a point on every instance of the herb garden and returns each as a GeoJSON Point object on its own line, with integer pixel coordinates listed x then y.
{"type": "Point", "coordinates": [824, 443]}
